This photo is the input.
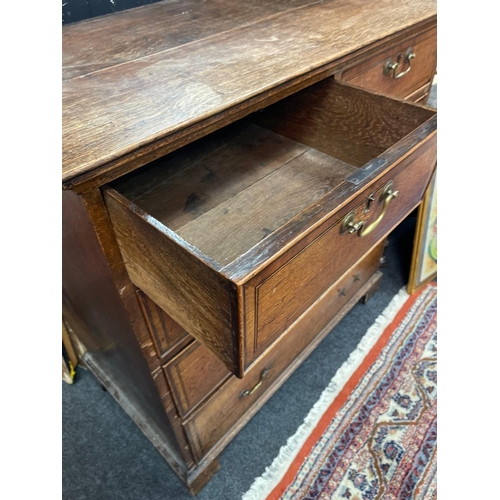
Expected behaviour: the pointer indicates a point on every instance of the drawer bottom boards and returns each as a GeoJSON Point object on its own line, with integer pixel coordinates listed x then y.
{"type": "Point", "coordinates": [212, 424]}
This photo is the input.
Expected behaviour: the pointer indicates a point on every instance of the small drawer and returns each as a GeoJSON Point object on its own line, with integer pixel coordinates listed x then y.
{"type": "Point", "coordinates": [413, 65]}
{"type": "Point", "coordinates": [237, 234]}
{"type": "Point", "coordinates": [168, 337]}
{"type": "Point", "coordinates": [193, 375]}
{"type": "Point", "coordinates": [230, 405]}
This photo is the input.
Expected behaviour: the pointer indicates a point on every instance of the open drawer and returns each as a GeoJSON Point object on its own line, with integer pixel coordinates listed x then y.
{"type": "Point", "coordinates": [238, 234]}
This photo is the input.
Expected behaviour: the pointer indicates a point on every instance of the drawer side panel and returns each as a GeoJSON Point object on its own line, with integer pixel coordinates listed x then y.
{"type": "Point", "coordinates": [193, 294]}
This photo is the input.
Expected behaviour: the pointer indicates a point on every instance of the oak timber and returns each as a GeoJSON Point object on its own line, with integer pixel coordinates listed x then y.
{"type": "Point", "coordinates": [131, 107]}
{"type": "Point", "coordinates": [370, 75]}
{"type": "Point", "coordinates": [137, 33]}
{"type": "Point", "coordinates": [233, 234]}
{"type": "Point", "coordinates": [227, 193]}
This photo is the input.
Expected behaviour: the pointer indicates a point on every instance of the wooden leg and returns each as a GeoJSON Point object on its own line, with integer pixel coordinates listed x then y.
{"type": "Point", "coordinates": [196, 482]}
{"type": "Point", "coordinates": [373, 288]}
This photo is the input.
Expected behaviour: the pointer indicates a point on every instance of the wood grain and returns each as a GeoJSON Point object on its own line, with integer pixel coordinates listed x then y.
{"type": "Point", "coordinates": [125, 398]}
{"type": "Point", "coordinates": [166, 76]}
{"type": "Point", "coordinates": [94, 308]}
{"type": "Point", "coordinates": [237, 174]}
{"type": "Point", "coordinates": [193, 376]}
{"type": "Point", "coordinates": [125, 108]}
{"type": "Point", "coordinates": [141, 32]}
{"type": "Point", "coordinates": [200, 299]}
{"type": "Point", "coordinates": [233, 227]}
{"type": "Point", "coordinates": [130, 384]}
{"type": "Point", "coordinates": [339, 201]}
{"type": "Point", "coordinates": [218, 167]}
{"type": "Point", "coordinates": [287, 287]}
{"type": "Point", "coordinates": [191, 292]}
{"type": "Point", "coordinates": [370, 73]}
{"type": "Point", "coordinates": [147, 343]}
{"type": "Point", "coordinates": [420, 94]}
{"type": "Point", "coordinates": [186, 271]}
{"type": "Point", "coordinates": [343, 121]}
{"type": "Point", "coordinates": [168, 337]}
{"type": "Point", "coordinates": [216, 419]}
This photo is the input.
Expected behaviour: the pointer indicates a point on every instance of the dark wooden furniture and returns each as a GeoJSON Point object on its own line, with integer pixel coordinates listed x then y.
{"type": "Point", "coordinates": [231, 171]}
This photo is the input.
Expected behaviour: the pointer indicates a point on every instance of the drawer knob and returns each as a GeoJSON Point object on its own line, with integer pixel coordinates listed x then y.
{"type": "Point", "coordinates": [248, 392]}
{"type": "Point", "coordinates": [359, 227]}
{"type": "Point", "coordinates": [391, 67]}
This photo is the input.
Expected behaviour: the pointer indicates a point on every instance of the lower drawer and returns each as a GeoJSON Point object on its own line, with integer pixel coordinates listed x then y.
{"type": "Point", "coordinates": [193, 375]}
{"type": "Point", "coordinates": [225, 412]}
{"type": "Point", "coordinates": [168, 337]}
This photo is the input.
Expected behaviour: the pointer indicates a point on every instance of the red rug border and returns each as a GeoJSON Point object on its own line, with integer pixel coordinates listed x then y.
{"type": "Point", "coordinates": [343, 395]}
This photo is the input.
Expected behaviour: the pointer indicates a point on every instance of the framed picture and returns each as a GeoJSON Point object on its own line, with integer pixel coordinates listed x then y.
{"type": "Point", "coordinates": [424, 260]}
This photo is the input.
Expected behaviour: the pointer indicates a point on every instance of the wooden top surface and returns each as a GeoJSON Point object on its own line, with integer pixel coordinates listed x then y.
{"type": "Point", "coordinates": [138, 76]}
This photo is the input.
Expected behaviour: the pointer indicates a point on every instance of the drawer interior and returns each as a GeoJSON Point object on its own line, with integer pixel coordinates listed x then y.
{"type": "Point", "coordinates": [225, 193]}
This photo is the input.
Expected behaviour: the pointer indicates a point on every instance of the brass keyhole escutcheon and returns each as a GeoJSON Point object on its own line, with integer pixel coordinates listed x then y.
{"type": "Point", "coordinates": [369, 202]}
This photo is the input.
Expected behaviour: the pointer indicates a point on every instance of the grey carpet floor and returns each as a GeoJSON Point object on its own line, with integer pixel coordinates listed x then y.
{"type": "Point", "coordinates": [105, 456]}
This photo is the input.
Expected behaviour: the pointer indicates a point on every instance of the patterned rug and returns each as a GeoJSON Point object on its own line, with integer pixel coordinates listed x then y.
{"type": "Point", "coordinates": [372, 434]}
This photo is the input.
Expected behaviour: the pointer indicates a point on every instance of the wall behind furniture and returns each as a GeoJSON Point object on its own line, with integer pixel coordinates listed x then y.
{"type": "Point", "coordinates": [76, 10]}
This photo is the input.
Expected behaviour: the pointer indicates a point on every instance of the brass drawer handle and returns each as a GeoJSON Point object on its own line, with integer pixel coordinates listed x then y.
{"type": "Point", "coordinates": [393, 66]}
{"type": "Point", "coordinates": [388, 195]}
{"type": "Point", "coordinates": [350, 226]}
{"type": "Point", "coordinates": [249, 392]}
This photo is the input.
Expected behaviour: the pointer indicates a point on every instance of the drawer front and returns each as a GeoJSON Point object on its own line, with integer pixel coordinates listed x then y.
{"type": "Point", "coordinates": [228, 406]}
{"type": "Point", "coordinates": [422, 99]}
{"type": "Point", "coordinates": [286, 288]}
{"type": "Point", "coordinates": [168, 336]}
{"type": "Point", "coordinates": [193, 375]}
{"type": "Point", "coordinates": [420, 95]}
{"type": "Point", "coordinates": [372, 75]}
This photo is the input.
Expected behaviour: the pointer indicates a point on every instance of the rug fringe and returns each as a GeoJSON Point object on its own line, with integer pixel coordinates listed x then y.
{"type": "Point", "coordinates": [263, 485]}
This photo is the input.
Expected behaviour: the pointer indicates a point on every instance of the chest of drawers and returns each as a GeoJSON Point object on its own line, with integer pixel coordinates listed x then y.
{"type": "Point", "coordinates": [229, 181]}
